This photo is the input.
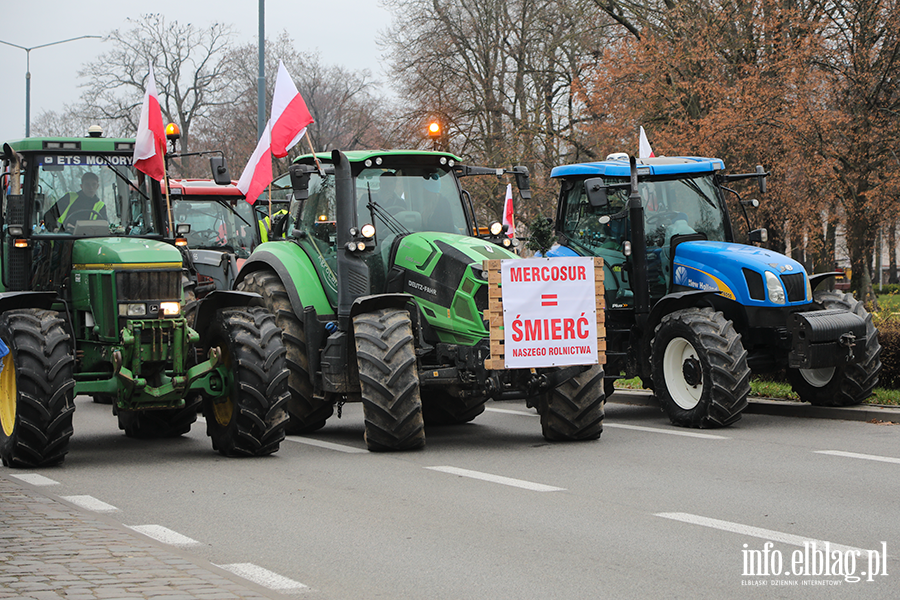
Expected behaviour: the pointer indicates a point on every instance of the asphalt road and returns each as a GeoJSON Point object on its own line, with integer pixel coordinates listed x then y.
{"type": "Point", "coordinates": [492, 510]}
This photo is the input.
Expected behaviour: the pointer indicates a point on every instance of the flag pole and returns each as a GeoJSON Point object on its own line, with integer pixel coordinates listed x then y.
{"type": "Point", "coordinates": [168, 200]}
{"type": "Point", "coordinates": [315, 158]}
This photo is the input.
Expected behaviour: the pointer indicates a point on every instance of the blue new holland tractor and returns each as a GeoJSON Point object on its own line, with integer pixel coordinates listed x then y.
{"type": "Point", "coordinates": [693, 313]}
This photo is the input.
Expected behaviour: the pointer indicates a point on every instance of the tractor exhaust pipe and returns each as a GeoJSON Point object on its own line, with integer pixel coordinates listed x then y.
{"type": "Point", "coordinates": [639, 283]}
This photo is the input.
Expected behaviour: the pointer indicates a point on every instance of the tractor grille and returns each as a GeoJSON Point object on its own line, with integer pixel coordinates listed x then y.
{"type": "Point", "coordinates": [148, 285]}
{"type": "Point", "coordinates": [795, 286]}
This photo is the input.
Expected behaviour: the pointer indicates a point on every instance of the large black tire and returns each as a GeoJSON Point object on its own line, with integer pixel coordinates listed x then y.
{"type": "Point", "coordinates": [449, 406]}
{"type": "Point", "coordinates": [574, 411]}
{"type": "Point", "coordinates": [250, 419]}
{"type": "Point", "coordinates": [36, 389]}
{"type": "Point", "coordinates": [389, 381]}
{"type": "Point", "coordinates": [846, 385]}
{"type": "Point", "coordinates": [307, 412]}
{"type": "Point", "coordinates": [165, 423]}
{"type": "Point", "coordinates": [699, 368]}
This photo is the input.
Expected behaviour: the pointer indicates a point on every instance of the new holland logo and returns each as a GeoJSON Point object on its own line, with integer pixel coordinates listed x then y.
{"type": "Point", "coordinates": [681, 276]}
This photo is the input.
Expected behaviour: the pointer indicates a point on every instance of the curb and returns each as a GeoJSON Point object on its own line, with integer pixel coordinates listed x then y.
{"type": "Point", "coordinates": [782, 408]}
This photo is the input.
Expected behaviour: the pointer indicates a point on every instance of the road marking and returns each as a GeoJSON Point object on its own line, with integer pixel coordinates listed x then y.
{"type": "Point", "coordinates": [519, 483]}
{"type": "Point", "coordinates": [34, 479]}
{"type": "Point", "coordinates": [506, 411]}
{"type": "Point", "coordinates": [703, 436]}
{"type": "Point", "coordinates": [263, 577]}
{"type": "Point", "coordinates": [886, 459]}
{"type": "Point", "coordinates": [693, 434]}
{"type": "Point", "coordinates": [164, 535]}
{"type": "Point", "coordinates": [758, 532]}
{"type": "Point", "coordinates": [327, 445]}
{"type": "Point", "coordinates": [91, 503]}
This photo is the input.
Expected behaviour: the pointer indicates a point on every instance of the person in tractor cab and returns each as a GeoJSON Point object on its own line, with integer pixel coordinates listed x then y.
{"type": "Point", "coordinates": [77, 206]}
{"type": "Point", "coordinates": [387, 197]}
{"type": "Point", "coordinates": [265, 225]}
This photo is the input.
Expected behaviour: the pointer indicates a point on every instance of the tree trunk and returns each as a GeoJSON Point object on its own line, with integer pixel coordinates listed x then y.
{"type": "Point", "coordinates": [892, 252]}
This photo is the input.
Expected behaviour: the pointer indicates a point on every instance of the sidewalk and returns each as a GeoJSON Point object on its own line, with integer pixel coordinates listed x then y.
{"type": "Point", "coordinates": [52, 550]}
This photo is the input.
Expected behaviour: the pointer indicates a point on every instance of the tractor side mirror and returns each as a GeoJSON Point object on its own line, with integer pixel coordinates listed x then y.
{"type": "Point", "coordinates": [596, 192]}
{"type": "Point", "coordinates": [522, 181]}
{"type": "Point", "coordinates": [761, 175]}
{"type": "Point", "coordinates": [219, 169]}
{"type": "Point", "coordinates": [300, 181]}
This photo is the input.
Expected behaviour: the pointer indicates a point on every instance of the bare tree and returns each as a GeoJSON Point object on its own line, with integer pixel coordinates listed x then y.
{"type": "Point", "coordinates": [192, 75]}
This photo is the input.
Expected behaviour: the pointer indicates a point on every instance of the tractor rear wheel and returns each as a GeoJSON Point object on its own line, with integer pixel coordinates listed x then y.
{"type": "Point", "coordinates": [307, 412]}
{"type": "Point", "coordinates": [249, 419]}
{"type": "Point", "coordinates": [36, 389]}
{"type": "Point", "coordinates": [450, 406]}
{"type": "Point", "coordinates": [389, 381]}
{"type": "Point", "coordinates": [574, 411]}
{"type": "Point", "coordinates": [845, 385]}
{"type": "Point", "coordinates": [699, 368]}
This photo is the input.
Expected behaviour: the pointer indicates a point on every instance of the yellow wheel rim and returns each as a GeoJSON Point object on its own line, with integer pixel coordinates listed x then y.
{"type": "Point", "coordinates": [223, 408]}
{"type": "Point", "coordinates": [8, 395]}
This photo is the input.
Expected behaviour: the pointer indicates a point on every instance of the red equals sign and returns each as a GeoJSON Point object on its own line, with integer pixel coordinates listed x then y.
{"type": "Point", "coordinates": [548, 299]}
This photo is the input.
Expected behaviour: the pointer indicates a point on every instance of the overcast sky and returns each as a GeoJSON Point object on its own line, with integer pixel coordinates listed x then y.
{"type": "Point", "coordinates": [343, 30]}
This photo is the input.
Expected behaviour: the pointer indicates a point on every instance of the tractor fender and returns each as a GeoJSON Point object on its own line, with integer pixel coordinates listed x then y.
{"type": "Point", "coordinates": [10, 300]}
{"type": "Point", "coordinates": [817, 279]}
{"type": "Point", "coordinates": [207, 306]}
{"type": "Point", "coordinates": [295, 269]}
{"type": "Point", "coordinates": [667, 305]}
{"type": "Point", "coordinates": [379, 301]}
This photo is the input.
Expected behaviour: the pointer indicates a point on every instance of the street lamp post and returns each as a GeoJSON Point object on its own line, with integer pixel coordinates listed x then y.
{"type": "Point", "coordinates": [28, 72]}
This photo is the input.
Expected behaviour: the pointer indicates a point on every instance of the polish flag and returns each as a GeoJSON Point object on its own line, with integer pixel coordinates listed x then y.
{"type": "Point", "coordinates": [290, 116]}
{"type": "Point", "coordinates": [258, 172]}
{"type": "Point", "coordinates": [508, 212]}
{"type": "Point", "coordinates": [644, 150]}
{"type": "Point", "coordinates": [150, 142]}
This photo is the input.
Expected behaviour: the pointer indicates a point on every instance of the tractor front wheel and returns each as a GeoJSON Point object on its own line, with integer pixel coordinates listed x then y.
{"type": "Point", "coordinates": [389, 381]}
{"type": "Point", "coordinates": [574, 411]}
{"type": "Point", "coordinates": [249, 419]}
{"type": "Point", "coordinates": [846, 385]}
{"type": "Point", "coordinates": [36, 388]}
{"type": "Point", "coordinates": [699, 368]}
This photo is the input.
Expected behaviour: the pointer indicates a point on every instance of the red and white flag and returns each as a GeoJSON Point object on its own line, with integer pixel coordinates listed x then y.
{"type": "Point", "coordinates": [508, 212]}
{"type": "Point", "coordinates": [258, 172]}
{"type": "Point", "coordinates": [644, 149]}
{"type": "Point", "coordinates": [150, 141]}
{"type": "Point", "coordinates": [290, 117]}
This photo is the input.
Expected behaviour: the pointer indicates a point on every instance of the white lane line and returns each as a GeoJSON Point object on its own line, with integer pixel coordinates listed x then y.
{"type": "Point", "coordinates": [34, 479]}
{"type": "Point", "coordinates": [758, 532]}
{"type": "Point", "coordinates": [263, 577]}
{"type": "Point", "coordinates": [327, 445]}
{"type": "Point", "coordinates": [703, 436]}
{"type": "Point", "coordinates": [507, 411]}
{"type": "Point", "coordinates": [91, 503]}
{"type": "Point", "coordinates": [693, 434]}
{"type": "Point", "coordinates": [164, 535]}
{"type": "Point", "coordinates": [886, 459]}
{"type": "Point", "coordinates": [519, 483]}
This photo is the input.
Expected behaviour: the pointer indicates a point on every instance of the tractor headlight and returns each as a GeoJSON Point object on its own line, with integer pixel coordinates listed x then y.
{"type": "Point", "coordinates": [496, 228]}
{"type": "Point", "coordinates": [132, 310]}
{"type": "Point", "coordinates": [170, 309]}
{"type": "Point", "coordinates": [809, 293]}
{"type": "Point", "coordinates": [774, 289]}
{"type": "Point", "coordinates": [368, 230]}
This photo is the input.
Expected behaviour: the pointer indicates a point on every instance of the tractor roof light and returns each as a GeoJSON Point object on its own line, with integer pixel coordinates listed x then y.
{"type": "Point", "coordinates": [172, 132]}
{"type": "Point", "coordinates": [434, 129]}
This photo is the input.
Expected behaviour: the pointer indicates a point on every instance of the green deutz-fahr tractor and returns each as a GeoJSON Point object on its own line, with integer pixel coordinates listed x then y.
{"type": "Point", "coordinates": [380, 290]}
{"type": "Point", "coordinates": [91, 303]}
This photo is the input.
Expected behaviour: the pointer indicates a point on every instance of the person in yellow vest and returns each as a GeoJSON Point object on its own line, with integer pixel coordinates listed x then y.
{"type": "Point", "coordinates": [265, 226]}
{"type": "Point", "coordinates": [83, 205]}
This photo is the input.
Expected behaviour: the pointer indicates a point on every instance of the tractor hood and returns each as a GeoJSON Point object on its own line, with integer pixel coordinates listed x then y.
{"type": "Point", "coordinates": [740, 272]}
{"type": "Point", "coordinates": [444, 273]}
{"type": "Point", "coordinates": [109, 253]}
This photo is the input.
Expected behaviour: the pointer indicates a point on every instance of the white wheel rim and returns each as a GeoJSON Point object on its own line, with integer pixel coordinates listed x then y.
{"type": "Point", "coordinates": [818, 378]}
{"type": "Point", "coordinates": [686, 396]}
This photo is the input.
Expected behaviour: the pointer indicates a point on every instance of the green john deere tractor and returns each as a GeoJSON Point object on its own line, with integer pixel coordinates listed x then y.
{"type": "Point", "coordinates": [91, 302]}
{"type": "Point", "coordinates": [379, 288]}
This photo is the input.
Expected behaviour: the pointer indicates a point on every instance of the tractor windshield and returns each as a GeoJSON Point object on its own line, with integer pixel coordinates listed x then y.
{"type": "Point", "coordinates": [223, 223]}
{"type": "Point", "coordinates": [91, 195]}
{"type": "Point", "coordinates": [410, 199]}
